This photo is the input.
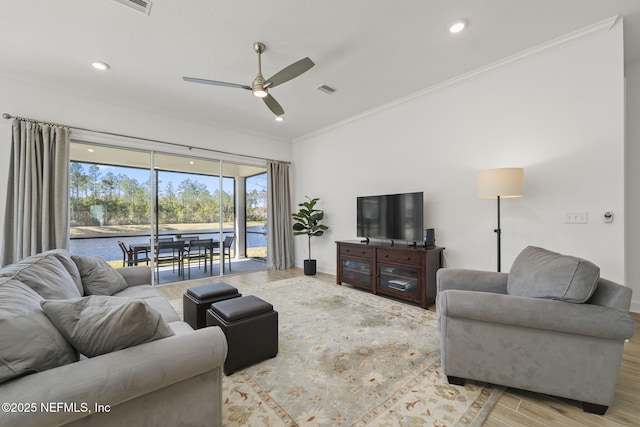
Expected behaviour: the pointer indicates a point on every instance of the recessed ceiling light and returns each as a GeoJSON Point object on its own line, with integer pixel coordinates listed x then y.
{"type": "Point", "coordinates": [279, 119]}
{"type": "Point", "coordinates": [99, 65]}
{"type": "Point", "coordinates": [91, 150]}
{"type": "Point", "coordinates": [192, 162]}
{"type": "Point", "coordinates": [457, 26]}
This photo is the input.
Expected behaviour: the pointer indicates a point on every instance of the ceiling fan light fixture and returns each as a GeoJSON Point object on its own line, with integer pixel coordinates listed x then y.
{"type": "Point", "coordinates": [257, 87]}
{"type": "Point", "coordinates": [279, 119]}
{"type": "Point", "coordinates": [260, 92]}
{"type": "Point", "coordinates": [457, 26]}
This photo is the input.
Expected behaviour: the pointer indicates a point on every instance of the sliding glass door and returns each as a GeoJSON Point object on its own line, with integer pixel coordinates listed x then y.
{"type": "Point", "coordinates": [108, 201]}
{"type": "Point", "coordinates": [187, 217]}
{"type": "Point", "coordinates": [195, 208]}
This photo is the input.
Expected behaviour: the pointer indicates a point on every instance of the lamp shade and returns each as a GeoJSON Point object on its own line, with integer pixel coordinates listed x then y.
{"type": "Point", "coordinates": [503, 182]}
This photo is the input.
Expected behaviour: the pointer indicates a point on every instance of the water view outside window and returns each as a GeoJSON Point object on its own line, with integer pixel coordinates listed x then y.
{"type": "Point", "coordinates": [110, 203]}
{"type": "Point", "coordinates": [108, 200]}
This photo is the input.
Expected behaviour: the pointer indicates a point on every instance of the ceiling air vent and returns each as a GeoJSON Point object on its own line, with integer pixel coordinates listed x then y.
{"type": "Point", "coordinates": [326, 89]}
{"type": "Point", "coordinates": [143, 6]}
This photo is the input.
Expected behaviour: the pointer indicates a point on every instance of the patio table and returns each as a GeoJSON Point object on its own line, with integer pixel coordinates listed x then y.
{"type": "Point", "coordinates": [146, 247]}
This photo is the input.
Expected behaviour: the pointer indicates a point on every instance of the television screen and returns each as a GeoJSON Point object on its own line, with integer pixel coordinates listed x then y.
{"type": "Point", "coordinates": [391, 216]}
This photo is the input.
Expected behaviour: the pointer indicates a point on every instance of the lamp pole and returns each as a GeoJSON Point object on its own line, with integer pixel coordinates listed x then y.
{"type": "Point", "coordinates": [498, 184]}
{"type": "Point", "coordinates": [498, 232]}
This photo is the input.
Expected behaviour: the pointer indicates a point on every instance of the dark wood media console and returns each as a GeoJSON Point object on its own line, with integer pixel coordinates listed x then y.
{"type": "Point", "coordinates": [400, 271]}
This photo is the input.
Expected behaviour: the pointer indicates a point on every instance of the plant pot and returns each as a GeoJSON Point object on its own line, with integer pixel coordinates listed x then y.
{"type": "Point", "coordinates": [309, 267]}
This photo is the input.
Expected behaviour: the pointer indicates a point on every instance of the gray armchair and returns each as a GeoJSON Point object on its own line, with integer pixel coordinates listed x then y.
{"type": "Point", "coordinates": [551, 326]}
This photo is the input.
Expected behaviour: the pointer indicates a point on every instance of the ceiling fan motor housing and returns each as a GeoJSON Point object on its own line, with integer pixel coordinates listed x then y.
{"type": "Point", "coordinates": [257, 87]}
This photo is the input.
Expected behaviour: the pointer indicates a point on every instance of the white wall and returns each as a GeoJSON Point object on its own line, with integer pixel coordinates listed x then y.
{"type": "Point", "coordinates": [32, 99]}
{"type": "Point", "coordinates": [558, 113]}
{"type": "Point", "coordinates": [632, 156]}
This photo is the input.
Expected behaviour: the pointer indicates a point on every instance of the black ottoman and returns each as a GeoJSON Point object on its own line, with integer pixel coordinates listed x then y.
{"type": "Point", "coordinates": [251, 327]}
{"type": "Point", "coordinates": [198, 299]}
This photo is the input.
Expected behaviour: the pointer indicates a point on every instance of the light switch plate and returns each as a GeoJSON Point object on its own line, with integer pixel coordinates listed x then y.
{"type": "Point", "coordinates": [575, 218]}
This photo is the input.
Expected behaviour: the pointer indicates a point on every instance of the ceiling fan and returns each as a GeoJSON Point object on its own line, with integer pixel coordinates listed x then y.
{"type": "Point", "coordinates": [260, 87]}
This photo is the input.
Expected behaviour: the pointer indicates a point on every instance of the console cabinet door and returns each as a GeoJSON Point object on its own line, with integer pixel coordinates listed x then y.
{"type": "Point", "coordinates": [357, 272]}
{"type": "Point", "coordinates": [401, 281]}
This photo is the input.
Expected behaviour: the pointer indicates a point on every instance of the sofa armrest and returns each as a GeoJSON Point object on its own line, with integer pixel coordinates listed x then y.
{"type": "Point", "coordinates": [115, 378]}
{"type": "Point", "coordinates": [471, 280]}
{"type": "Point", "coordinates": [537, 313]}
{"type": "Point", "coordinates": [136, 275]}
{"type": "Point", "coordinates": [611, 294]}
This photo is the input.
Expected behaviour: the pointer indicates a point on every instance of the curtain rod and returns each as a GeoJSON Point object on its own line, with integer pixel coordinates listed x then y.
{"type": "Point", "coordinates": [175, 144]}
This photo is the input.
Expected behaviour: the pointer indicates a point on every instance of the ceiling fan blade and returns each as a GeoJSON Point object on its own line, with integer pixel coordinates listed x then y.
{"type": "Point", "coordinates": [290, 72]}
{"type": "Point", "coordinates": [273, 105]}
{"type": "Point", "coordinates": [215, 83]}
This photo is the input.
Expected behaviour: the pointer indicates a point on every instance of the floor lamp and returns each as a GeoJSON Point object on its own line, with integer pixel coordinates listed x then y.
{"type": "Point", "coordinates": [497, 184]}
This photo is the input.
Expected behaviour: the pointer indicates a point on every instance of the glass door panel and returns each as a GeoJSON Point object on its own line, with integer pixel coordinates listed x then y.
{"type": "Point", "coordinates": [108, 202]}
{"type": "Point", "coordinates": [244, 218]}
{"type": "Point", "coordinates": [187, 197]}
{"type": "Point", "coordinates": [357, 272]}
{"type": "Point", "coordinates": [395, 280]}
{"type": "Point", "coordinates": [256, 216]}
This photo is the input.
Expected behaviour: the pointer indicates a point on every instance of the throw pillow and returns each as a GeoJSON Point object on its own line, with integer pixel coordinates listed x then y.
{"type": "Point", "coordinates": [541, 273]}
{"type": "Point", "coordinates": [65, 259]}
{"type": "Point", "coordinates": [45, 274]}
{"type": "Point", "coordinates": [99, 324]}
{"type": "Point", "coordinates": [28, 340]}
{"type": "Point", "coordinates": [98, 277]}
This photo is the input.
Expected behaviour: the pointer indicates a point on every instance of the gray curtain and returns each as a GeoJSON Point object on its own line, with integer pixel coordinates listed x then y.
{"type": "Point", "coordinates": [279, 232]}
{"type": "Point", "coordinates": [37, 209]}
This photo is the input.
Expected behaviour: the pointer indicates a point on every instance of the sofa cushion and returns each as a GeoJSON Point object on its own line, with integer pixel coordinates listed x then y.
{"type": "Point", "coordinates": [149, 295]}
{"type": "Point", "coordinates": [45, 274]}
{"type": "Point", "coordinates": [28, 340]}
{"type": "Point", "coordinates": [65, 259]}
{"type": "Point", "coordinates": [100, 324]}
{"type": "Point", "coordinates": [540, 273]}
{"type": "Point", "coordinates": [98, 277]}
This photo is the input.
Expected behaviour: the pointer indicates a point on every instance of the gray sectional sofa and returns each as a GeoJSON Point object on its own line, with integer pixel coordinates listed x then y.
{"type": "Point", "coordinates": [84, 344]}
{"type": "Point", "coordinates": [551, 325]}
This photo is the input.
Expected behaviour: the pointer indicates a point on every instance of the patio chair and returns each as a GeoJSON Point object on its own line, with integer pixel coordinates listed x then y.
{"type": "Point", "coordinates": [126, 254]}
{"type": "Point", "coordinates": [170, 252]}
{"type": "Point", "coordinates": [131, 257]}
{"type": "Point", "coordinates": [139, 255]}
{"type": "Point", "coordinates": [199, 249]}
{"type": "Point", "coordinates": [226, 249]}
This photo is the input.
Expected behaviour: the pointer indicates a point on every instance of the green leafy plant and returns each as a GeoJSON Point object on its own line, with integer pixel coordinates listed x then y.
{"type": "Point", "coordinates": [307, 221]}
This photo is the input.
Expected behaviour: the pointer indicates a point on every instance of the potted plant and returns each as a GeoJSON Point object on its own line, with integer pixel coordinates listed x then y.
{"type": "Point", "coordinates": [307, 222]}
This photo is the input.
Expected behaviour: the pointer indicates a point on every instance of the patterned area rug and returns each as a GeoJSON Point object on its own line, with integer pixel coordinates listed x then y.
{"type": "Point", "coordinates": [347, 357]}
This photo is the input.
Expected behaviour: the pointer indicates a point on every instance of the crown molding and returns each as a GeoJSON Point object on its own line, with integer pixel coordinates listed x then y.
{"type": "Point", "coordinates": [576, 36]}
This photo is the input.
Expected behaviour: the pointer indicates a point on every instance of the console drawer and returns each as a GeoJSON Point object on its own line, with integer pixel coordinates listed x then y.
{"type": "Point", "coordinates": [357, 251]}
{"type": "Point", "coordinates": [401, 256]}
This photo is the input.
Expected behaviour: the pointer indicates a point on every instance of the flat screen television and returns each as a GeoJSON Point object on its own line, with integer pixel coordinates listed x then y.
{"type": "Point", "coordinates": [391, 216]}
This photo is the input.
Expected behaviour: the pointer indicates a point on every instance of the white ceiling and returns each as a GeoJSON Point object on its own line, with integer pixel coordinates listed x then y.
{"type": "Point", "coordinates": [371, 51]}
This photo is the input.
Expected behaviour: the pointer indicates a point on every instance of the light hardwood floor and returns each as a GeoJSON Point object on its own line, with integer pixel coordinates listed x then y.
{"type": "Point", "coordinates": [515, 407]}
